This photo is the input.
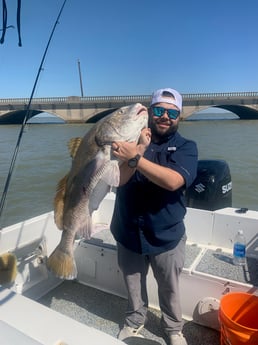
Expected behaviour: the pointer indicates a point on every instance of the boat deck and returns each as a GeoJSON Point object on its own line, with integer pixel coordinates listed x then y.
{"type": "Point", "coordinates": [105, 312]}
{"type": "Point", "coordinates": [98, 297]}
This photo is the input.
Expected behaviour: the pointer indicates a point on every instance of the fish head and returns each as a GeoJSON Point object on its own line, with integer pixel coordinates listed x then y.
{"type": "Point", "coordinates": [124, 124]}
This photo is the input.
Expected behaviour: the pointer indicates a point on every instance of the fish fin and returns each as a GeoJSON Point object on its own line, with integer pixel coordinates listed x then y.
{"type": "Point", "coordinates": [8, 268]}
{"type": "Point", "coordinates": [59, 202]}
{"type": "Point", "coordinates": [73, 145]}
{"type": "Point", "coordinates": [85, 229]}
{"type": "Point", "coordinates": [97, 195]}
{"type": "Point", "coordinates": [98, 227]}
{"type": "Point", "coordinates": [62, 264]}
{"type": "Point", "coordinates": [111, 174]}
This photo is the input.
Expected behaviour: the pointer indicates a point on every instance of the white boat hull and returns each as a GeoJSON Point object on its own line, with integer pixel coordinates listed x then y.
{"type": "Point", "coordinates": [208, 270]}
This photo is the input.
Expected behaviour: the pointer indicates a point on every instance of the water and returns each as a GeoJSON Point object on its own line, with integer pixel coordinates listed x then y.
{"type": "Point", "coordinates": [43, 159]}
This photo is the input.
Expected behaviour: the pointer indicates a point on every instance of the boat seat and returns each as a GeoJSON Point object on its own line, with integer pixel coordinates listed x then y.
{"type": "Point", "coordinates": [203, 260]}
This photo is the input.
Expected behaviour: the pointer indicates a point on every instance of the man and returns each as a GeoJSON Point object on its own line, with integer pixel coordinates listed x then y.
{"type": "Point", "coordinates": [148, 216]}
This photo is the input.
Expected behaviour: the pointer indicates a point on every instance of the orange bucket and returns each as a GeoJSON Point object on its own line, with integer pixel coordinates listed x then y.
{"type": "Point", "coordinates": [238, 316]}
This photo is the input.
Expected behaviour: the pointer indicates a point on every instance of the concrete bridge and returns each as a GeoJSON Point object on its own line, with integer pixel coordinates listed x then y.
{"type": "Point", "coordinates": [76, 109]}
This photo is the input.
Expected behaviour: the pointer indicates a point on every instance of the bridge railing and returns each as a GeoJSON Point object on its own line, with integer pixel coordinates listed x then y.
{"type": "Point", "coordinates": [73, 99]}
{"type": "Point", "coordinates": [220, 95]}
{"type": "Point", "coordinates": [135, 98]}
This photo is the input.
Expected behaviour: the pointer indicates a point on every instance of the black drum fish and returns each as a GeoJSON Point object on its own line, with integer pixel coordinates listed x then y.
{"type": "Point", "coordinates": [93, 172]}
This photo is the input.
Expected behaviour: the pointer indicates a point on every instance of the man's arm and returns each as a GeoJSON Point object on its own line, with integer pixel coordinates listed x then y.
{"type": "Point", "coordinates": [162, 176]}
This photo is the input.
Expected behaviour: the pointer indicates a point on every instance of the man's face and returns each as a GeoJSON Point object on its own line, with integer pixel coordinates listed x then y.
{"type": "Point", "coordinates": [163, 125]}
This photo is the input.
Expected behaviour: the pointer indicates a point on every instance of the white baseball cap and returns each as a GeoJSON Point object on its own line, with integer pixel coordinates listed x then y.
{"type": "Point", "coordinates": [167, 95]}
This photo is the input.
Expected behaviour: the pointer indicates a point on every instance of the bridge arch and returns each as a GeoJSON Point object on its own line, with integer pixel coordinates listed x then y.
{"type": "Point", "coordinates": [81, 109]}
{"type": "Point", "coordinates": [100, 115]}
{"type": "Point", "coordinates": [17, 117]}
{"type": "Point", "coordinates": [243, 112]}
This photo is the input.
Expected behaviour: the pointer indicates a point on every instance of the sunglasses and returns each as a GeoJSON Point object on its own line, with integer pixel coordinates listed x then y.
{"type": "Point", "coordinates": [160, 111]}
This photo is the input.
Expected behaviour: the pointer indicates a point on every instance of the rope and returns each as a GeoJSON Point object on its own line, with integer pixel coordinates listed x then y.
{"type": "Point", "coordinates": [4, 22]}
{"type": "Point", "coordinates": [18, 19]}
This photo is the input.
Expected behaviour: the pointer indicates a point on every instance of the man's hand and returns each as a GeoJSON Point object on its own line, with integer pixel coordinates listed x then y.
{"type": "Point", "coordinates": [144, 140]}
{"type": "Point", "coordinates": [125, 150]}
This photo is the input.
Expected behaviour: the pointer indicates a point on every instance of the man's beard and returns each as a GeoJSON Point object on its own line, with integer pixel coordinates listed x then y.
{"type": "Point", "coordinates": [161, 135]}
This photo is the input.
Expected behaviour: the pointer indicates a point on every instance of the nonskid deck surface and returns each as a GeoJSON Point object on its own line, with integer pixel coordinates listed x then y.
{"type": "Point", "coordinates": [219, 263]}
{"type": "Point", "coordinates": [105, 312]}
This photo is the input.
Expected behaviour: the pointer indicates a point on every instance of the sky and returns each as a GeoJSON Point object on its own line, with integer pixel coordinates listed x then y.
{"type": "Point", "coordinates": [130, 47]}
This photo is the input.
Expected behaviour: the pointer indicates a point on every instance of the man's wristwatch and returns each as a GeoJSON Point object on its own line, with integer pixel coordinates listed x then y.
{"type": "Point", "coordinates": [132, 163]}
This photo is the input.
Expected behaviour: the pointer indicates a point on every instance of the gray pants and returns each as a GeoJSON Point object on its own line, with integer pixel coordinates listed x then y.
{"type": "Point", "coordinates": [166, 269]}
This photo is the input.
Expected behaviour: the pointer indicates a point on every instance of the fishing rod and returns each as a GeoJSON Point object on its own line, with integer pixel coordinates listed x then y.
{"type": "Point", "coordinates": [26, 117]}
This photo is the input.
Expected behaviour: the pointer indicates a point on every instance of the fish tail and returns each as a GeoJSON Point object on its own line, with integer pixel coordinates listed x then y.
{"type": "Point", "coordinates": [62, 264]}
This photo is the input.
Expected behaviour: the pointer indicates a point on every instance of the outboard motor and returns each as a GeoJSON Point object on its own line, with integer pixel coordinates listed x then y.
{"type": "Point", "coordinates": [212, 188]}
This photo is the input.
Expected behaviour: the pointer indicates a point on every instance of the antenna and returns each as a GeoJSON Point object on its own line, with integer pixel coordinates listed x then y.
{"type": "Point", "coordinates": [80, 75]}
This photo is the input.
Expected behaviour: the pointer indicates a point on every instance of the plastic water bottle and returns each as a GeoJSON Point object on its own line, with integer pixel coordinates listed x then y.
{"type": "Point", "coordinates": [239, 249]}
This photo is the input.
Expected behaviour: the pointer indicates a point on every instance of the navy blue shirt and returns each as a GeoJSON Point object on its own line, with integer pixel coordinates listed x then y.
{"type": "Point", "coordinates": [148, 219]}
